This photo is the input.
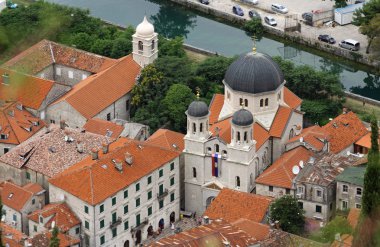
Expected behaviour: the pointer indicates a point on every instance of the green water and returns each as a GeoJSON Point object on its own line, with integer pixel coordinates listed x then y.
{"type": "Point", "coordinates": [205, 32]}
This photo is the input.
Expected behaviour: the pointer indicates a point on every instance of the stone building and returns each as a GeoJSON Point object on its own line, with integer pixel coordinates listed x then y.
{"type": "Point", "coordinates": [349, 188]}
{"type": "Point", "coordinates": [125, 195]}
{"type": "Point", "coordinates": [243, 131]}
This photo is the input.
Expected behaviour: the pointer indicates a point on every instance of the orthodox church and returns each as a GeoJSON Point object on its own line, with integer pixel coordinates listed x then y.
{"type": "Point", "coordinates": [231, 142]}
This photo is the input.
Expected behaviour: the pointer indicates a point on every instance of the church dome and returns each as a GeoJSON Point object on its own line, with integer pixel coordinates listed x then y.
{"type": "Point", "coordinates": [197, 109]}
{"type": "Point", "coordinates": [254, 73]}
{"type": "Point", "coordinates": [145, 28]}
{"type": "Point", "coordinates": [242, 117]}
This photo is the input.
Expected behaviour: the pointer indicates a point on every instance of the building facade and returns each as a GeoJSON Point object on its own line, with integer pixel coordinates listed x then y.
{"type": "Point", "coordinates": [350, 188]}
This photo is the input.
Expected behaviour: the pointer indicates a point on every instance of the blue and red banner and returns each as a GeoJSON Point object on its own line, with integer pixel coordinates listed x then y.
{"type": "Point", "coordinates": [215, 158]}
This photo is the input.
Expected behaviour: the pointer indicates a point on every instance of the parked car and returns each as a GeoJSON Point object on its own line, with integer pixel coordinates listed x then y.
{"type": "Point", "coordinates": [251, 2]}
{"type": "Point", "coordinates": [254, 14]}
{"type": "Point", "coordinates": [270, 21]}
{"type": "Point", "coordinates": [279, 8]}
{"type": "Point", "coordinates": [237, 10]}
{"type": "Point", "coordinates": [326, 38]}
{"type": "Point", "coordinates": [206, 2]}
{"type": "Point", "coordinates": [350, 44]}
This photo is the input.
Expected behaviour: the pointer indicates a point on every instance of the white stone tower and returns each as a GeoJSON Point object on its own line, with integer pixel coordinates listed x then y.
{"type": "Point", "coordinates": [145, 44]}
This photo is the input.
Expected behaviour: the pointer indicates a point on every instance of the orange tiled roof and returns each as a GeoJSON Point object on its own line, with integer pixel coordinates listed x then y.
{"type": "Point", "coordinates": [94, 94]}
{"type": "Point", "coordinates": [101, 127]}
{"type": "Point", "coordinates": [353, 217]}
{"type": "Point", "coordinates": [231, 205]}
{"type": "Point", "coordinates": [280, 174]}
{"type": "Point", "coordinates": [365, 141]}
{"type": "Point", "coordinates": [12, 237]}
{"type": "Point", "coordinates": [93, 181]}
{"type": "Point", "coordinates": [344, 130]}
{"type": "Point", "coordinates": [60, 213]}
{"type": "Point", "coordinates": [313, 135]}
{"type": "Point", "coordinates": [14, 196]}
{"type": "Point", "coordinates": [167, 139]}
{"type": "Point", "coordinates": [29, 90]}
{"type": "Point", "coordinates": [346, 241]}
{"type": "Point", "coordinates": [17, 123]}
{"type": "Point", "coordinates": [260, 134]}
{"type": "Point", "coordinates": [292, 100]}
{"type": "Point", "coordinates": [43, 240]}
{"type": "Point", "coordinates": [45, 53]}
{"type": "Point", "coordinates": [280, 120]}
{"type": "Point", "coordinates": [210, 235]}
{"type": "Point", "coordinates": [257, 230]}
{"type": "Point", "coordinates": [215, 107]}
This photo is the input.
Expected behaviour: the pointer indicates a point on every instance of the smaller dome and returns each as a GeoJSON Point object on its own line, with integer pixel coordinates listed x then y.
{"type": "Point", "coordinates": [242, 117]}
{"type": "Point", "coordinates": [197, 109]}
{"type": "Point", "coordinates": [145, 28]}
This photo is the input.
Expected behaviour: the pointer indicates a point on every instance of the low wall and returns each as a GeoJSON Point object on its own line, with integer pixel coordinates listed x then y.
{"type": "Point", "coordinates": [362, 98]}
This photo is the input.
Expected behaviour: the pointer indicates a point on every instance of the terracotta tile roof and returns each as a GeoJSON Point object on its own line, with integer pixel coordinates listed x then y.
{"type": "Point", "coordinates": [94, 94]}
{"type": "Point", "coordinates": [60, 213]}
{"type": "Point", "coordinates": [313, 136]}
{"type": "Point", "coordinates": [257, 230]}
{"type": "Point", "coordinates": [17, 123]}
{"type": "Point", "coordinates": [167, 139]}
{"type": "Point", "coordinates": [49, 153]}
{"type": "Point", "coordinates": [14, 196]}
{"type": "Point", "coordinates": [33, 188]}
{"type": "Point", "coordinates": [280, 121]}
{"type": "Point", "coordinates": [93, 181]}
{"type": "Point", "coordinates": [45, 53]}
{"type": "Point", "coordinates": [215, 107]}
{"type": "Point", "coordinates": [344, 130]}
{"type": "Point", "coordinates": [223, 129]}
{"type": "Point", "coordinates": [280, 174]}
{"type": "Point", "coordinates": [12, 237]}
{"type": "Point", "coordinates": [365, 141]}
{"type": "Point", "coordinates": [102, 127]}
{"type": "Point", "coordinates": [43, 240]}
{"type": "Point", "coordinates": [345, 241]}
{"type": "Point", "coordinates": [353, 217]}
{"type": "Point", "coordinates": [231, 205]}
{"type": "Point", "coordinates": [29, 90]}
{"type": "Point", "coordinates": [215, 234]}
{"type": "Point", "coordinates": [292, 100]}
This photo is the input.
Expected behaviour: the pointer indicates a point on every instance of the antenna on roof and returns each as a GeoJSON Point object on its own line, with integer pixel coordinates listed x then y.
{"type": "Point", "coordinates": [295, 170]}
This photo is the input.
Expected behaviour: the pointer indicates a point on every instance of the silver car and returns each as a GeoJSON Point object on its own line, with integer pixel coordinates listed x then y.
{"type": "Point", "coordinates": [250, 2]}
{"type": "Point", "coordinates": [270, 21]}
{"type": "Point", "coordinates": [279, 8]}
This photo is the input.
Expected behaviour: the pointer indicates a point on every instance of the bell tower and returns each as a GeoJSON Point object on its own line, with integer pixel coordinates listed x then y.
{"type": "Point", "coordinates": [145, 44]}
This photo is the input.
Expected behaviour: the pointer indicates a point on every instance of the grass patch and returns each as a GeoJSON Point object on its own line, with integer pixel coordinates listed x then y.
{"type": "Point", "coordinates": [363, 112]}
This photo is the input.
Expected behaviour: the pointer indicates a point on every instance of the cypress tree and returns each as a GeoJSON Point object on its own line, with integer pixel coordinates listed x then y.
{"type": "Point", "coordinates": [54, 241]}
{"type": "Point", "coordinates": [374, 136]}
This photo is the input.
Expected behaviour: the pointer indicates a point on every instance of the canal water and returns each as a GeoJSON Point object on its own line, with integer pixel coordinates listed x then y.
{"type": "Point", "coordinates": [205, 32]}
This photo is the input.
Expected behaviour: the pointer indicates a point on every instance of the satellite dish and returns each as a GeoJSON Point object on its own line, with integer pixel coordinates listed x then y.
{"type": "Point", "coordinates": [295, 170]}
{"type": "Point", "coordinates": [301, 139]}
{"type": "Point", "coordinates": [301, 163]}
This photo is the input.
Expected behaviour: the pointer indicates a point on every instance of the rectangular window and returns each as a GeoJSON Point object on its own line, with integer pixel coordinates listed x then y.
{"type": "Point", "coordinates": [149, 195]}
{"type": "Point", "coordinates": [137, 202]}
{"type": "Point", "coordinates": [15, 218]}
{"type": "Point", "coordinates": [300, 190]}
{"type": "Point", "coordinates": [287, 191]}
{"type": "Point", "coordinates": [108, 116]}
{"type": "Point", "coordinates": [149, 179]}
{"type": "Point", "coordinates": [172, 166]}
{"type": "Point", "coordinates": [101, 208]}
{"type": "Point", "coordinates": [358, 205]}
{"type": "Point", "coordinates": [172, 197]}
{"type": "Point", "coordinates": [138, 220]}
{"type": "Point", "coordinates": [125, 194]}
{"type": "Point", "coordinates": [318, 209]}
{"type": "Point", "coordinates": [358, 191]}
{"type": "Point", "coordinates": [52, 121]}
{"type": "Point", "coordinates": [101, 223]}
{"type": "Point", "coordinates": [114, 216]}
{"type": "Point", "coordinates": [71, 74]}
{"type": "Point", "coordinates": [331, 206]}
{"type": "Point", "coordinates": [114, 232]}
{"type": "Point", "coordinates": [113, 201]}
{"type": "Point", "coordinates": [28, 175]}
{"type": "Point", "coordinates": [161, 189]}
{"type": "Point", "coordinates": [150, 211]}
{"type": "Point", "coordinates": [102, 240]}
{"type": "Point", "coordinates": [35, 228]}
{"type": "Point", "coordinates": [171, 181]}
{"type": "Point", "coordinates": [126, 225]}
{"type": "Point", "coordinates": [345, 188]}
{"type": "Point", "coordinates": [300, 205]}
{"type": "Point", "coordinates": [86, 209]}
{"type": "Point", "coordinates": [161, 173]}
{"type": "Point", "coordinates": [344, 204]}
{"type": "Point", "coordinates": [161, 204]}
{"type": "Point", "coordinates": [271, 188]}
{"type": "Point", "coordinates": [319, 193]}
{"type": "Point", "coordinates": [125, 209]}
{"type": "Point", "coordinates": [137, 187]}
{"type": "Point", "coordinates": [33, 201]}
{"type": "Point", "coordinates": [58, 71]}
{"type": "Point", "coordinates": [127, 105]}
{"type": "Point", "coordinates": [86, 224]}
{"type": "Point", "coordinates": [6, 150]}
{"type": "Point", "coordinates": [77, 230]}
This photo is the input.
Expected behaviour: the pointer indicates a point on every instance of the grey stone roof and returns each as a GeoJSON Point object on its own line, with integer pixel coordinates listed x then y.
{"type": "Point", "coordinates": [352, 175]}
{"type": "Point", "coordinates": [197, 109]}
{"type": "Point", "coordinates": [254, 73]}
{"type": "Point", "coordinates": [242, 117]}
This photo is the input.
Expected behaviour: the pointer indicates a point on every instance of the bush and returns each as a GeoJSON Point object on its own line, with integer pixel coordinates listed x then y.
{"type": "Point", "coordinates": [254, 27]}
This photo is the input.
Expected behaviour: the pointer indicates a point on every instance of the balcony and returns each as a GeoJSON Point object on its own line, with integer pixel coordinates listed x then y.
{"type": "Point", "coordinates": [140, 226]}
{"type": "Point", "coordinates": [115, 223]}
{"type": "Point", "coordinates": [162, 194]}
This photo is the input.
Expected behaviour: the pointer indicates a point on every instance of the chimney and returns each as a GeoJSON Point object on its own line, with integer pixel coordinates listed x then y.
{"type": "Point", "coordinates": [19, 106]}
{"type": "Point", "coordinates": [79, 146]}
{"type": "Point", "coordinates": [105, 147]}
{"type": "Point", "coordinates": [128, 158]}
{"type": "Point", "coordinates": [62, 124]}
{"type": "Point", "coordinates": [6, 79]}
{"type": "Point", "coordinates": [94, 153]}
{"type": "Point", "coordinates": [118, 165]}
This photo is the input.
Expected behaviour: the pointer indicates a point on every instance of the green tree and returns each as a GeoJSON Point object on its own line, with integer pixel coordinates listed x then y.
{"type": "Point", "coordinates": [327, 233]}
{"type": "Point", "coordinates": [374, 136]}
{"type": "Point", "coordinates": [121, 47]}
{"type": "Point", "coordinates": [254, 27]}
{"type": "Point", "coordinates": [102, 47]}
{"type": "Point", "coordinates": [82, 41]}
{"type": "Point", "coordinates": [214, 68]}
{"type": "Point", "coordinates": [371, 30]}
{"type": "Point", "coordinates": [54, 241]}
{"type": "Point", "coordinates": [172, 47]}
{"type": "Point", "coordinates": [176, 101]}
{"type": "Point", "coordinates": [340, 3]}
{"type": "Point", "coordinates": [288, 213]}
{"type": "Point", "coordinates": [365, 14]}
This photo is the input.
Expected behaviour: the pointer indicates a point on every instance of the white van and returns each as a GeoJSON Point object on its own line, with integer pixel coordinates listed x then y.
{"type": "Point", "coordinates": [350, 44]}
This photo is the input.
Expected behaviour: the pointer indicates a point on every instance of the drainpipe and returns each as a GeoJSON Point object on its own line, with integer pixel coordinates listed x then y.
{"type": "Point", "coordinates": [114, 110]}
{"type": "Point", "coordinates": [271, 149]}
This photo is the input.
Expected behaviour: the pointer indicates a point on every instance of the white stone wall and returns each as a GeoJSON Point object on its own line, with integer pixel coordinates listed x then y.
{"type": "Point", "coordinates": [147, 55]}
{"type": "Point", "coordinates": [263, 189]}
{"type": "Point", "coordinates": [9, 212]}
{"type": "Point", "coordinates": [64, 111]}
{"type": "Point", "coordinates": [63, 74]}
{"type": "Point", "coordinates": [117, 109]}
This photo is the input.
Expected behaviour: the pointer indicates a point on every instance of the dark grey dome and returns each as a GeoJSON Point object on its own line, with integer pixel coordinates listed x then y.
{"type": "Point", "coordinates": [254, 73]}
{"type": "Point", "coordinates": [242, 117]}
{"type": "Point", "coordinates": [197, 109]}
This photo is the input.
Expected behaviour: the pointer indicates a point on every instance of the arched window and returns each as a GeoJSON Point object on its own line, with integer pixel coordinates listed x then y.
{"type": "Point", "coordinates": [246, 102]}
{"type": "Point", "coordinates": [216, 148]}
{"type": "Point", "coordinates": [237, 181]}
{"type": "Point", "coordinates": [241, 102]}
{"type": "Point", "coordinates": [266, 102]}
{"type": "Point", "coordinates": [238, 136]}
{"type": "Point", "coordinates": [141, 46]}
{"type": "Point", "coordinates": [245, 136]}
{"type": "Point", "coordinates": [201, 127]}
{"type": "Point", "coordinates": [291, 134]}
{"type": "Point", "coordinates": [153, 44]}
{"type": "Point", "coordinates": [194, 172]}
{"type": "Point", "coordinates": [261, 103]}
{"type": "Point", "coordinates": [194, 128]}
